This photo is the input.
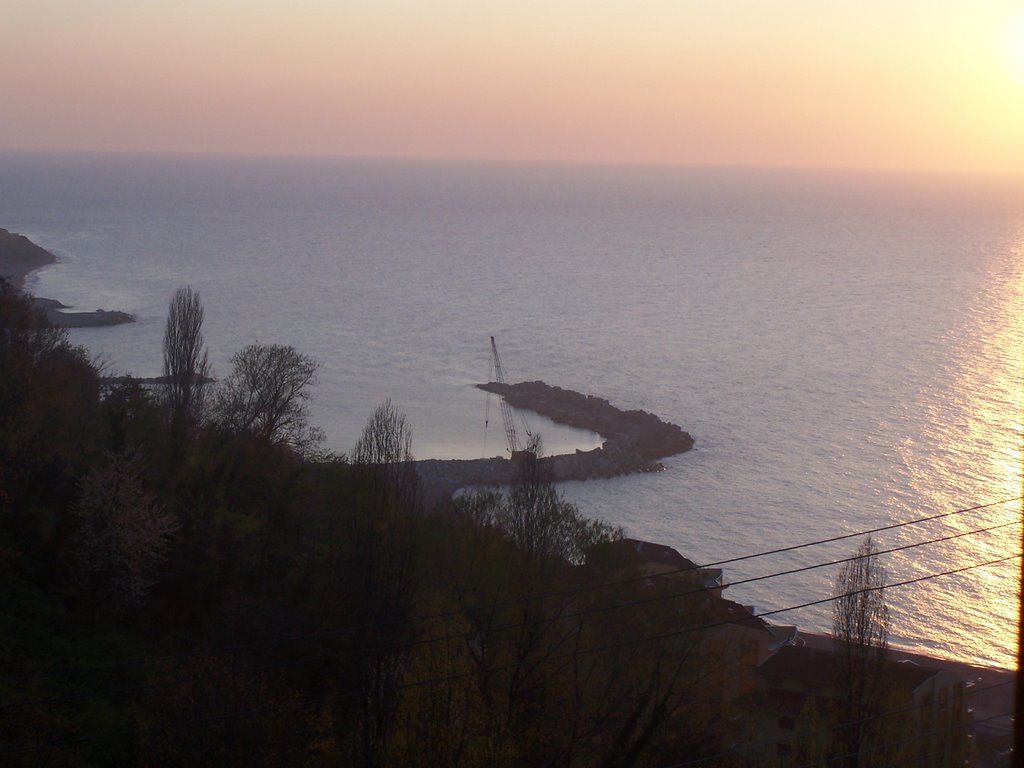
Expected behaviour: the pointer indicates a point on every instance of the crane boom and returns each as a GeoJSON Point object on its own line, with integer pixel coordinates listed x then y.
{"type": "Point", "coordinates": [506, 410]}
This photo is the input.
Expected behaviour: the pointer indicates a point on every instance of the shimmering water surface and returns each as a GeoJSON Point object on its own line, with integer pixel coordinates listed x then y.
{"type": "Point", "coordinates": [845, 348]}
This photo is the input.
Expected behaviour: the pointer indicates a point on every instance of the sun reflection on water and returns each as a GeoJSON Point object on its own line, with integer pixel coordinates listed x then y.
{"type": "Point", "coordinates": [970, 453]}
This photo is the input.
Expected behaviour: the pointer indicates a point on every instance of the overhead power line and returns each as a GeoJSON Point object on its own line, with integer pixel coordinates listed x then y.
{"type": "Point", "coordinates": [408, 645]}
{"type": "Point", "coordinates": [860, 534]}
{"type": "Point", "coordinates": [352, 629]}
{"type": "Point", "coordinates": [555, 657]}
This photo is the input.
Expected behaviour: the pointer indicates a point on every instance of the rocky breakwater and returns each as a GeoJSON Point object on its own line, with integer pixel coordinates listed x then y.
{"type": "Point", "coordinates": [95, 318]}
{"type": "Point", "coordinates": [634, 441]}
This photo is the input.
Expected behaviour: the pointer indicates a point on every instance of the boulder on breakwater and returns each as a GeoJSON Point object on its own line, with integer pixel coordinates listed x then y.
{"type": "Point", "coordinates": [634, 441]}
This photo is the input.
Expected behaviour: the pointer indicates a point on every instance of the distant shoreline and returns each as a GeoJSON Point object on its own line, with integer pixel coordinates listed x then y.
{"type": "Point", "coordinates": [20, 257]}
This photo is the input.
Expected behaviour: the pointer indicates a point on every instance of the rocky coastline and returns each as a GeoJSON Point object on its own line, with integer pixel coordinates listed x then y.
{"type": "Point", "coordinates": [19, 257]}
{"type": "Point", "coordinates": [634, 441]}
{"type": "Point", "coordinates": [80, 319]}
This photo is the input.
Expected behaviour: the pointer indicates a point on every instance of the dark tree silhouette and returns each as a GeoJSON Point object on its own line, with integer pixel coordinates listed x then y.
{"type": "Point", "coordinates": [48, 399]}
{"type": "Point", "coordinates": [266, 395]}
{"type": "Point", "coordinates": [860, 627]}
{"type": "Point", "coordinates": [382, 521]}
{"type": "Point", "coordinates": [186, 366]}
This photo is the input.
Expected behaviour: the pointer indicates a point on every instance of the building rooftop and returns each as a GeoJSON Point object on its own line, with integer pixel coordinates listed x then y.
{"type": "Point", "coordinates": [816, 666]}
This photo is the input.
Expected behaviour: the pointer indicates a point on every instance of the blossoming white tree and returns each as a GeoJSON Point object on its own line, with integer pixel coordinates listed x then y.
{"type": "Point", "coordinates": [122, 533]}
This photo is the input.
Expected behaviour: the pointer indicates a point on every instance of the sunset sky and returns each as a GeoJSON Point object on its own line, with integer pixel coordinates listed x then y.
{"type": "Point", "coordinates": [872, 83]}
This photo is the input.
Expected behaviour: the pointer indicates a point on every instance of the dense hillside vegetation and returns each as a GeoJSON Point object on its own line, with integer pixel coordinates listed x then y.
{"type": "Point", "coordinates": [183, 580]}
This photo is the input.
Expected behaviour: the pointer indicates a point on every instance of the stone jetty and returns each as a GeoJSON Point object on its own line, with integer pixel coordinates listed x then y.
{"type": "Point", "coordinates": [634, 441]}
{"type": "Point", "coordinates": [81, 319]}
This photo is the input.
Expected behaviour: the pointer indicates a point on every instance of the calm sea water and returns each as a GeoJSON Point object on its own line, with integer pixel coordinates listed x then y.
{"type": "Point", "coordinates": [845, 348]}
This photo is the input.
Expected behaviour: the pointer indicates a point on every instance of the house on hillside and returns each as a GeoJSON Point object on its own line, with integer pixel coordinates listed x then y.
{"type": "Point", "coordinates": [733, 641]}
{"type": "Point", "coordinates": [654, 560]}
{"type": "Point", "coordinates": [737, 644]}
{"type": "Point", "coordinates": [793, 711]}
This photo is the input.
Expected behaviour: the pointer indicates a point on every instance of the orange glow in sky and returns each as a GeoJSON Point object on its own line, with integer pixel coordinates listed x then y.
{"type": "Point", "coordinates": [915, 84]}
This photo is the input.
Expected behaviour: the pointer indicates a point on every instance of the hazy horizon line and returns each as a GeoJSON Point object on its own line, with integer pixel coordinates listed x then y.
{"type": "Point", "coordinates": [470, 160]}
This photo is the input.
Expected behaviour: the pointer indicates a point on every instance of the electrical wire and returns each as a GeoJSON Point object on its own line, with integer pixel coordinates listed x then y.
{"type": "Point", "coordinates": [564, 656]}
{"type": "Point", "coordinates": [562, 616]}
{"type": "Point", "coordinates": [332, 633]}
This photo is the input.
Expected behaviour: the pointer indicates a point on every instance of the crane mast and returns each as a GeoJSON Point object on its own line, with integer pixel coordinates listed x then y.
{"type": "Point", "coordinates": [511, 437]}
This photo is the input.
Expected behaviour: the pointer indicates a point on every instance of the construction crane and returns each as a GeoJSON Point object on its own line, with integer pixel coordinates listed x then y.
{"type": "Point", "coordinates": [511, 436]}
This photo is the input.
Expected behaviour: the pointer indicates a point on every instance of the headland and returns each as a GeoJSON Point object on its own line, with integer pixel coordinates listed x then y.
{"type": "Point", "coordinates": [19, 257]}
{"type": "Point", "coordinates": [634, 441]}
